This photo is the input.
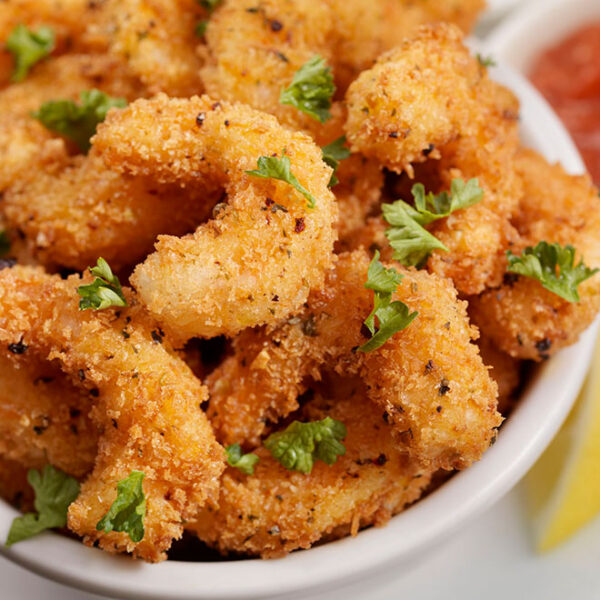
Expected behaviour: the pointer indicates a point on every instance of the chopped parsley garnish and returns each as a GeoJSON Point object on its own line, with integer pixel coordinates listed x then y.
{"type": "Point", "coordinates": [392, 317]}
{"type": "Point", "coordinates": [553, 266]}
{"type": "Point", "coordinates": [54, 492]}
{"type": "Point", "coordinates": [28, 47]}
{"type": "Point", "coordinates": [299, 445]}
{"type": "Point", "coordinates": [311, 89]}
{"type": "Point", "coordinates": [244, 462]}
{"type": "Point", "coordinates": [104, 291]}
{"type": "Point", "coordinates": [411, 242]}
{"type": "Point", "coordinates": [127, 512]}
{"type": "Point", "coordinates": [209, 5]}
{"type": "Point", "coordinates": [486, 61]}
{"type": "Point", "coordinates": [200, 30]}
{"type": "Point", "coordinates": [332, 155]}
{"type": "Point", "coordinates": [78, 122]}
{"type": "Point", "coordinates": [271, 167]}
{"type": "Point", "coordinates": [4, 242]}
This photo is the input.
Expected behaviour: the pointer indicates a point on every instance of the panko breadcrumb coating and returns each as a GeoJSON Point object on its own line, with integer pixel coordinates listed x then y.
{"type": "Point", "coordinates": [44, 418]}
{"type": "Point", "coordinates": [264, 249]}
{"type": "Point", "coordinates": [521, 317]}
{"type": "Point", "coordinates": [14, 487]}
{"type": "Point", "coordinates": [430, 99]}
{"type": "Point", "coordinates": [157, 40]}
{"type": "Point", "coordinates": [147, 405]}
{"type": "Point", "coordinates": [428, 378]}
{"type": "Point", "coordinates": [75, 211]}
{"type": "Point", "coordinates": [276, 511]}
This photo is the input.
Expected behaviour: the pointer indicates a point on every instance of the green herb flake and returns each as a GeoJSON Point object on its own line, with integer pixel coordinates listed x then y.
{"type": "Point", "coordinates": [127, 512]}
{"type": "Point", "coordinates": [311, 89]}
{"type": "Point", "coordinates": [28, 47]}
{"type": "Point", "coordinates": [301, 444]}
{"type": "Point", "coordinates": [411, 242]}
{"type": "Point", "coordinates": [553, 266]}
{"type": "Point", "coordinates": [200, 30]}
{"type": "Point", "coordinates": [244, 462]}
{"type": "Point", "coordinates": [78, 122]}
{"type": "Point", "coordinates": [4, 242]}
{"type": "Point", "coordinates": [332, 155]}
{"type": "Point", "coordinates": [392, 317]}
{"type": "Point", "coordinates": [104, 291]}
{"type": "Point", "coordinates": [486, 61]}
{"type": "Point", "coordinates": [54, 492]}
{"type": "Point", "coordinates": [271, 167]}
{"type": "Point", "coordinates": [209, 5]}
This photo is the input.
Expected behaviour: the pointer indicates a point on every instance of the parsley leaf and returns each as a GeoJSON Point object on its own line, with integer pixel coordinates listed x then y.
{"type": "Point", "coordinates": [54, 492]}
{"type": "Point", "coordinates": [271, 167]}
{"type": "Point", "coordinates": [311, 89]}
{"type": "Point", "coordinates": [200, 29]}
{"type": "Point", "coordinates": [4, 242]}
{"type": "Point", "coordinates": [299, 445]}
{"type": "Point", "coordinates": [104, 291]}
{"type": "Point", "coordinates": [486, 61]}
{"type": "Point", "coordinates": [127, 512]}
{"type": "Point", "coordinates": [78, 122]}
{"type": "Point", "coordinates": [332, 155]}
{"type": "Point", "coordinates": [407, 235]}
{"type": "Point", "coordinates": [28, 47]}
{"type": "Point", "coordinates": [391, 316]}
{"type": "Point", "coordinates": [553, 266]}
{"type": "Point", "coordinates": [209, 5]}
{"type": "Point", "coordinates": [244, 462]}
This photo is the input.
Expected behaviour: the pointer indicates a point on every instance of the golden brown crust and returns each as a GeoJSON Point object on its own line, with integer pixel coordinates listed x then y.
{"type": "Point", "coordinates": [428, 378]}
{"type": "Point", "coordinates": [262, 253]}
{"type": "Point", "coordinates": [147, 407]}
{"type": "Point", "coordinates": [276, 511]}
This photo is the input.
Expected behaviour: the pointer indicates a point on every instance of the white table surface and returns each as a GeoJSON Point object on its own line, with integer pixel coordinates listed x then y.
{"type": "Point", "coordinates": [492, 559]}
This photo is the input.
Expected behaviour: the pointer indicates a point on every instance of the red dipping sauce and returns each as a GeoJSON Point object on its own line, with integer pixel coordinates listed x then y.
{"type": "Point", "coordinates": [568, 75]}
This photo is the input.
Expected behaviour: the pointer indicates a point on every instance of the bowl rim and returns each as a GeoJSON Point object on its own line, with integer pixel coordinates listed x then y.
{"type": "Point", "coordinates": [523, 438]}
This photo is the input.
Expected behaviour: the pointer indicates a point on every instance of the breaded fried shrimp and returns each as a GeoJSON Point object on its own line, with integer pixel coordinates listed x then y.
{"type": "Point", "coordinates": [75, 211]}
{"type": "Point", "coordinates": [263, 251]}
{"type": "Point", "coordinates": [428, 378]}
{"type": "Point", "coordinates": [157, 39]}
{"type": "Point", "coordinates": [521, 317]}
{"type": "Point", "coordinates": [429, 99]}
{"type": "Point", "coordinates": [147, 405]}
{"type": "Point", "coordinates": [276, 511]}
{"type": "Point", "coordinates": [44, 418]}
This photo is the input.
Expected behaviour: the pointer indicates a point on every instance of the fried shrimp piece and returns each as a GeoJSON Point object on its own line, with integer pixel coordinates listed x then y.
{"type": "Point", "coordinates": [276, 511]}
{"type": "Point", "coordinates": [505, 370]}
{"type": "Point", "coordinates": [44, 417]}
{"type": "Point", "coordinates": [429, 99]}
{"type": "Point", "coordinates": [70, 21]}
{"type": "Point", "coordinates": [521, 317]}
{"type": "Point", "coordinates": [73, 213]}
{"type": "Point", "coordinates": [25, 143]}
{"type": "Point", "coordinates": [147, 405]}
{"type": "Point", "coordinates": [157, 40]}
{"type": "Point", "coordinates": [261, 254]}
{"type": "Point", "coordinates": [428, 378]}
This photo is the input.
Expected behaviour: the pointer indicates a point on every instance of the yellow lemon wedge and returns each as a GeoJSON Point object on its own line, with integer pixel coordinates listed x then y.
{"type": "Point", "coordinates": [564, 486]}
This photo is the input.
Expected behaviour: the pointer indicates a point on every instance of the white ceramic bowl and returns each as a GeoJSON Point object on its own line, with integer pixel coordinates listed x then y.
{"type": "Point", "coordinates": [520, 39]}
{"type": "Point", "coordinates": [374, 552]}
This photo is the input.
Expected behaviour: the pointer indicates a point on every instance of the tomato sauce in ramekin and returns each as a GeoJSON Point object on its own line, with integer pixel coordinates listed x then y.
{"type": "Point", "coordinates": [568, 75]}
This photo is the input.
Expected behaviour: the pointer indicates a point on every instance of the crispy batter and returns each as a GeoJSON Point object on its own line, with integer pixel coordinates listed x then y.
{"type": "Point", "coordinates": [264, 250]}
{"type": "Point", "coordinates": [429, 378]}
{"type": "Point", "coordinates": [148, 405]}
{"type": "Point", "coordinates": [14, 487]}
{"type": "Point", "coordinates": [505, 370]}
{"type": "Point", "coordinates": [276, 511]}
{"type": "Point", "coordinates": [71, 213]}
{"type": "Point", "coordinates": [429, 99]}
{"type": "Point", "coordinates": [25, 144]}
{"type": "Point", "coordinates": [521, 317]}
{"type": "Point", "coordinates": [156, 38]}
{"type": "Point", "coordinates": [44, 417]}
{"type": "Point", "coordinates": [69, 19]}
